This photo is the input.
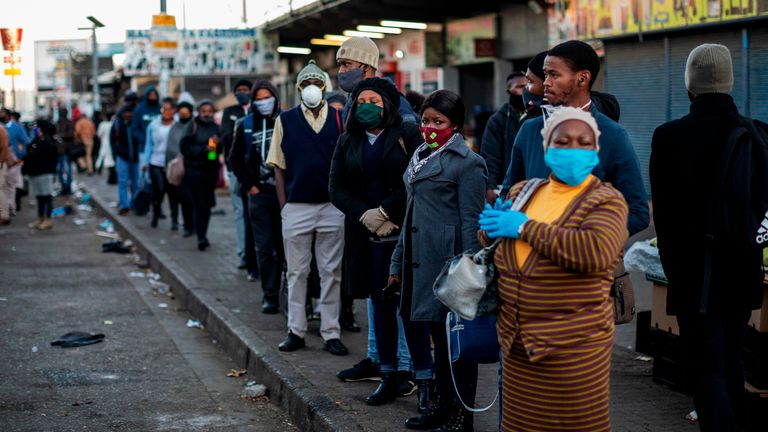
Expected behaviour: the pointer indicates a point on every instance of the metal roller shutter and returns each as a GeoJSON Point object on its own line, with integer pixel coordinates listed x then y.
{"type": "Point", "coordinates": [635, 75]}
{"type": "Point", "coordinates": [758, 74]}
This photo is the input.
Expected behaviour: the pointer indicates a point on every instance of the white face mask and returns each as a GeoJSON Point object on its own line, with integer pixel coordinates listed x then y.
{"type": "Point", "coordinates": [312, 96]}
{"type": "Point", "coordinates": [265, 106]}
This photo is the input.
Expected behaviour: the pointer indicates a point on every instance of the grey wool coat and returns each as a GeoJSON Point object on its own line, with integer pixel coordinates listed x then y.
{"type": "Point", "coordinates": [441, 221]}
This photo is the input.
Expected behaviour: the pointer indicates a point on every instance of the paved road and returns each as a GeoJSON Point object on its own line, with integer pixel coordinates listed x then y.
{"type": "Point", "coordinates": [152, 373]}
{"type": "Point", "coordinates": [637, 403]}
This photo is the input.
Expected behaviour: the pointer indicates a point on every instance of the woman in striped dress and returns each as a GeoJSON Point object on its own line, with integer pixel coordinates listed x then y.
{"type": "Point", "coordinates": [555, 269]}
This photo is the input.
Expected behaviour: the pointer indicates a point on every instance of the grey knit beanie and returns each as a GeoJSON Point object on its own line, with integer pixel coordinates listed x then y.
{"type": "Point", "coordinates": [310, 71]}
{"type": "Point", "coordinates": [709, 70]}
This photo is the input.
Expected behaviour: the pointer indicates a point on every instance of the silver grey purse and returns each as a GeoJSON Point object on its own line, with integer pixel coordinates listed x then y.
{"type": "Point", "coordinates": [467, 284]}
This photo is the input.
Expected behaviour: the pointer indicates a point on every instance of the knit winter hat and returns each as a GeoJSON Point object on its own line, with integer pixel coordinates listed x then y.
{"type": "Point", "coordinates": [536, 65]}
{"type": "Point", "coordinates": [361, 50]}
{"type": "Point", "coordinates": [242, 82]}
{"type": "Point", "coordinates": [709, 70]}
{"type": "Point", "coordinates": [311, 71]}
{"type": "Point", "coordinates": [569, 113]}
{"type": "Point", "coordinates": [384, 87]}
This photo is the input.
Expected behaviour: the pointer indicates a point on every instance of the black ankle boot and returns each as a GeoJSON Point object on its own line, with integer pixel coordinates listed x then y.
{"type": "Point", "coordinates": [435, 416]}
{"type": "Point", "coordinates": [386, 391]}
{"type": "Point", "coordinates": [426, 389]}
{"type": "Point", "coordinates": [459, 420]}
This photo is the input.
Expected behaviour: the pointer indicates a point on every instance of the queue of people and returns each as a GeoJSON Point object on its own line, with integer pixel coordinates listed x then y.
{"type": "Point", "coordinates": [374, 192]}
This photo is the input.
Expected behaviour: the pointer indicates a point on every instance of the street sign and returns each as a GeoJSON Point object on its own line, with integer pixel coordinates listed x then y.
{"type": "Point", "coordinates": [163, 20]}
{"type": "Point", "coordinates": [165, 37]}
{"type": "Point", "coordinates": [13, 72]}
{"type": "Point", "coordinates": [11, 59]}
{"type": "Point", "coordinates": [11, 38]}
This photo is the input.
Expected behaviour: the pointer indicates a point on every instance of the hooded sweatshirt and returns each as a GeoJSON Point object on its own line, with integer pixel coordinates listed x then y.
{"type": "Point", "coordinates": [249, 164]}
{"type": "Point", "coordinates": [143, 115]}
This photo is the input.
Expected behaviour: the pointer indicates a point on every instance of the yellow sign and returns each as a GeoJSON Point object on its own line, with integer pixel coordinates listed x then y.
{"type": "Point", "coordinates": [160, 44]}
{"type": "Point", "coordinates": [13, 72]}
{"type": "Point", "coordinates": [163, 20]}
{"type": "Point", "coordinates": [593, 19]}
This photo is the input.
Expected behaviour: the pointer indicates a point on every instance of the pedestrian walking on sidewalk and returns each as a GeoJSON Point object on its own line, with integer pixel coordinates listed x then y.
{"type": "Point", "coordinates": [146, 111]}
{"type": "Point", "coordinates": [40, 166]}
{"type": "Point", "coordinates": [201, 147]}
{"type": "Point", "coordinates": [185, 115]}
{"type": "Point", "coordinates": [106, 159]}
{"type": "Point", "coordinates": [445, 183]}
{"type": "Point", "coordinates": [65, 131]}
{"type": "Point", "coordinates": [18, 141]}
{"type": "Point", "coordinates": [127, 151]}
{"type": "Point", "coordinates": [85, 132]}
{"type": "Point", "coordinates": [154, 160]}
{"type": "Point", "coordinates": [230, 115]}
{"type": "Point", "coordinates": [250, 147]}
{"type": "Point", "coordinates": [555, 267]}
{"type": "Point", "coordinates": [6, 161]}
{"type": "Point", "coordinates": [715, 161]}
{"type": "Point", "coordinates": [366, 184]}
{"type": "Point", "coordinates": [303, 142]}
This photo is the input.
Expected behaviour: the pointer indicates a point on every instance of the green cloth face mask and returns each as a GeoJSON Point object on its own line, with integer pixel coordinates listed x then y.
{"type": "Point", "coordinates": [369, 115]}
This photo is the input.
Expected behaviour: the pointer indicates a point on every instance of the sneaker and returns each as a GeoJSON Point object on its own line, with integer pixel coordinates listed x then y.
{"type": "Point", "coordinates": [124, 212]}
{"type": "Point", "coordinates": [253, 276]}
{"type": "Point", "coordinates": [335, 347]}
{"type": "Point", "coordinates": [46, 224]}
{"type": "Point", "coordinates": [35, 224]}
{"type": "Point", "coordinates": [405, 383]}
{"type": "Point", "coordinates": [365, 370]}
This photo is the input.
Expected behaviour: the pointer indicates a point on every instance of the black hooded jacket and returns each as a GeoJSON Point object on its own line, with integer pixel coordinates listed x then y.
{"type": "Point", "coordinates": [42, 154]}
{"type": "Point", "coordinates": [249, 165]}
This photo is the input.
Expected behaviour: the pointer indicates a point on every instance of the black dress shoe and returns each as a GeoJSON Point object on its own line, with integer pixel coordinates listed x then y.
{"type": "Point", "coordinates": [335, 347]}
{"type": "Point", "coordinates": [187, 233]}
{"type": "Point", "coordinates": [291, 343]}
{"type": "Point", "coordinates": [349, 324]}
{"type": "Point", "coordinates": [269, 306]}
{"type": "Point", "coordinates": [386, 391]}
{"type": "Point", "coordinates": [203, 244]}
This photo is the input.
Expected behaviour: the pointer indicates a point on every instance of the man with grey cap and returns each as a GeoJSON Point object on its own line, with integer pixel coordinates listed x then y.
{"type": "Point", "coordinates": [303, 141]}
{"type": "Point", "coordinates": [358, 59]}
{"type": "Point", "coordinates": [709, 184]}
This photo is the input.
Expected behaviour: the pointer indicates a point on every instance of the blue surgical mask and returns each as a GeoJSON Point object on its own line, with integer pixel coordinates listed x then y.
{"type": "Point", "coordinates": [571, 166]}
{"type": "Point", "coordinates": [265, 107]}
{"type": "Point", "coordinates": [350, 79]}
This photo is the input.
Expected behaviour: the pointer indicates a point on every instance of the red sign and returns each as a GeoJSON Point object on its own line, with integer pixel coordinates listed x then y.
{"type": "Point", "coordinates": [485, 47]}
{"type": "Point", "coordinates": [11, 38]}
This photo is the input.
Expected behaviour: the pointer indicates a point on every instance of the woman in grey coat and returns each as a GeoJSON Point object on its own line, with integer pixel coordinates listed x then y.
{"type": "Point", "coordinates": [445, 184]}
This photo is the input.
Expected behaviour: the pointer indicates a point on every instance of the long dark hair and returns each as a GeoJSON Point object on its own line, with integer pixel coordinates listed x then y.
{"type": "Point", "coordinates": [391, 115]}
{"type": "Point", "coordinates": [448, 104]}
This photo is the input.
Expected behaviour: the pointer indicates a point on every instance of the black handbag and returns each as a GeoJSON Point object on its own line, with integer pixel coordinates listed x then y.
{"type": "Point", "coordinates": [76, 151]}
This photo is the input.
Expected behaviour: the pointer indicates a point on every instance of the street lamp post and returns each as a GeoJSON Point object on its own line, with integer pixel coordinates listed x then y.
{"type": "Point", "coordinates": [94, 61]}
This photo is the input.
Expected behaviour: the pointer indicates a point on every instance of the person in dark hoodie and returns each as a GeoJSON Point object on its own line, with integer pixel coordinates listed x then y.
{"type": "Point", "coordinates": [127, 152]}
{"type": "Point", "coordinates": [500, 134]}
{"type": "Point", "coordinates": [230, 115]}
{"type": "Point", "coordinates": [185, 113]}
{"type": "Point", "coordinates": [148, 110]}
{"type": "Point", "coordinates": [40, 165]}
{"type": "Point", "coordinates": [201, 147]}
{"type": "Point", "coordinates": [252, 140]}
{"type": "Point", "coordinates": [571, 69]}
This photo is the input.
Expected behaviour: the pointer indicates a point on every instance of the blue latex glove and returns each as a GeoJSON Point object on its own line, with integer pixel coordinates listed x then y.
{"type": "Point", "coordinates": [501, 223]}
{"type": "Point", "coordinates": [499, 205]}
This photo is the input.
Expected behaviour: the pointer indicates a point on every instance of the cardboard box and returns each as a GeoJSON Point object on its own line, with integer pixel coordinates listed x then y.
{"type": "Point", "coordinates": [660, 320]}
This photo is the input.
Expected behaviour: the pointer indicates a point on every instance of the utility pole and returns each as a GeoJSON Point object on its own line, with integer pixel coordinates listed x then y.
{"type": "Point", "coordinates": [94, 61]}
{"type": "Point", "coordinates": [245, 14]}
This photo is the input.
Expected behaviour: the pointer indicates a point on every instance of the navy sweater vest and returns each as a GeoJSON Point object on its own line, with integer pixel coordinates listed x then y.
{"type": "Point", "coordinates": [308, 156]}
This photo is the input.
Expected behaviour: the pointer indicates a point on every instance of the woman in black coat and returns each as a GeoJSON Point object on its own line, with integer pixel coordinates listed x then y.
{"type": "Point", "coordinates": [366, 185]}
{"type": "Point", "coordinates": [201, 148]}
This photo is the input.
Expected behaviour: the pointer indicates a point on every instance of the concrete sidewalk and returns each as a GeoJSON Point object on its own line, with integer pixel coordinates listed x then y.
{"type": "Point", "coordinates": [304, 382]}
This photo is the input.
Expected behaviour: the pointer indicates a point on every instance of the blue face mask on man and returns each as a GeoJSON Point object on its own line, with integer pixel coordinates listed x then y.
{"type": "Point", "coordinates": [531, 101]}
{"type": "Point", "coordinates": [571, 165]}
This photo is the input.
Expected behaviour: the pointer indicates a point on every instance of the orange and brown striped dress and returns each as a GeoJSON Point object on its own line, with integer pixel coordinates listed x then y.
{"type": "Point", "coordinates": [556, 320]}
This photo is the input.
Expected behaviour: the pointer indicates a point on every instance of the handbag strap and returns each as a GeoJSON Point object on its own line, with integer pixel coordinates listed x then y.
{"type": "Point", "coordinates": [453, 377]}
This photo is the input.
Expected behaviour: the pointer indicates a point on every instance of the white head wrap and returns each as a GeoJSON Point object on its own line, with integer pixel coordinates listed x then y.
{"type": "Point", "coordinates": [568, 113]}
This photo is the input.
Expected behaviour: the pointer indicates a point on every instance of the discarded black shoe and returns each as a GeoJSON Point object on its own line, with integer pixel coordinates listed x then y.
{"type": "Point", "coordinates": [115, 246]}
{"type": "Point", "coordinates": [77, 339]}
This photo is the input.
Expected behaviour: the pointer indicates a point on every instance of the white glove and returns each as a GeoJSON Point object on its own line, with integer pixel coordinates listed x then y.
{"type": "Point", "coordinates": [386, 229]}
{"type": "Point", "coordinates": [372, 219]}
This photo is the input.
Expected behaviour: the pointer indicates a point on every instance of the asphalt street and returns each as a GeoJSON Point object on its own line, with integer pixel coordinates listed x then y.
{"type": "Point", "coordinates": [151, 373]}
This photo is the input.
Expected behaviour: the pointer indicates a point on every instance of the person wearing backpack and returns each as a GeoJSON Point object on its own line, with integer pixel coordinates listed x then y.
{"type": "Point", "coordinates": [709, 184]}
{"type": "Point", "coordinates": [247, 157]}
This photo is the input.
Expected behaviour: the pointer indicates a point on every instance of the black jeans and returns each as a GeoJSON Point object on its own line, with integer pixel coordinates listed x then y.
{"type": "Point", "coordinates": [251, 263]}
{"type": "Point", "coordinates": [384, 310]}
{"type": "Point", "coordinates": [44, 206]}
{"type": "Point", "coordinates": [200, 189]}
{"type": "Point", "coordinates": [266, 223]}
{"type": "Point", "coordinates": [161, 187]}
{"type": "Point", "coordinates": [418, 344]}
{"type": "Point", "coordinates": [715, 372]}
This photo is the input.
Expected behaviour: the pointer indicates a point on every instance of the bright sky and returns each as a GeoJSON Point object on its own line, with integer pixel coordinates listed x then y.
{"type": "Point", "coordinates": [58, 19]}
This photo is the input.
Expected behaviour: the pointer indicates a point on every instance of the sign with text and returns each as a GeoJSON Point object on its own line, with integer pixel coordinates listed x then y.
{"type": "Point", "coordinates": [198, 52]}
{"type": "Point", "coordinates": [13, 72]}
{"type": "Point", "coordinates": [11, 38]}
{"type": "Point", "coordinates": [589, 19]}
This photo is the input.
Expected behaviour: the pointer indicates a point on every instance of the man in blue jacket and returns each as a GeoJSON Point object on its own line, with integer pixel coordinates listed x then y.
{"type": "Point", "coordinates": [148, 110]}
{"type": "Point", "coordinates": [571, 69]}
{"type": "Point", "coordinates": [18, 141]}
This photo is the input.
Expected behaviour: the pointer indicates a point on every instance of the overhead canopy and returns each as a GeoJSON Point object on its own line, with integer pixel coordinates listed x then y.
{"type": "Point", "coordinates": [334, 16]}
